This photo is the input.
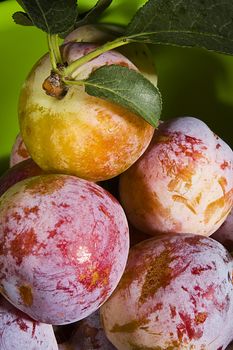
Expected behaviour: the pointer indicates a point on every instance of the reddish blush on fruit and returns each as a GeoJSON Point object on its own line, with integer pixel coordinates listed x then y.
{"type": "Point", "coordinates": [18, 331]}
{"type": "Point", "coordinates": [183, 183]}
{"type": "Point", "coordinates": [176, 293]}
{"type": "Point", "coordinates": [19, 172]}
{"type": "Point", "coordinates": [64, 245]}
{"type": "Point", "coordinates": [19, 151]}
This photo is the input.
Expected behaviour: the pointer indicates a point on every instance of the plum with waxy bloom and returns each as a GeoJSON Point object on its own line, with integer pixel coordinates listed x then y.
{"type": "Point", "coordinates": [64, 245]}
{"type": "Point", "coordinates": [176, 293]}
{"type": "Point", "coordinates": [183, 182]}
{"type": "Point", "coordinates": [18, 331]}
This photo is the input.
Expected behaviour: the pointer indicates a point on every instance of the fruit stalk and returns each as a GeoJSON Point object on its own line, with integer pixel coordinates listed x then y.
{"type": "Point", "coordinates": [54, 51]}
{"type": "Point", "coordinates": [67, 72]}
{"type": "Point", "coordinates": [60, 75]}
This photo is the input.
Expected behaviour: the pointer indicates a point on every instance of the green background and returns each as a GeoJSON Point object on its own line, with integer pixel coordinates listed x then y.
{"type": "Point", "coordinates": [192, 82]}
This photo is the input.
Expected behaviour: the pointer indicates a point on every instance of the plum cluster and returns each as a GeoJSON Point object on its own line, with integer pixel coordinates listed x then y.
{"type": "Point", "coordinates": [69, 278]}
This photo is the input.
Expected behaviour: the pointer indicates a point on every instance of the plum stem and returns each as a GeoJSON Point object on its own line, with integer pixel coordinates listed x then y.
{"type": "Point", "coordinates": [93, 54]}
{"type": "Point", "coordinates": [73, 82]}
{"type": "Point", "coordinates": [54, 51]}
{"type": "Point", "coordinates": [56, 84]}
{"type": "Point", "coordinates": [77, 82]}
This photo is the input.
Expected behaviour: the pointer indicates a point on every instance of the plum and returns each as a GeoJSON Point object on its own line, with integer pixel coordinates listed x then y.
{"type": "Point", "coordinates": [176, 293]}
{"type": "Point", "coordinates": [64, 244]}
{"type": "Point", "coordinates": [88, 335]}
{"type": "Point", "coordinates": [18, 331]}
{"type": "Point", "coordinates": [183, 182]}
{"type": "Point", "coordinates": [80, 134]}
{"type": "Point", "coordinates": [18, 172]}
{"type": "Point", "coordinates": [19, 151]}
{"type": "Point", "coordinates": [224, 234]}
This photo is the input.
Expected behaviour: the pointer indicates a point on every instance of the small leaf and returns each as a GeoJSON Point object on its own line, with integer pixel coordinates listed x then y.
{"type": "Point", "coordinates": [128, 88]}
{"type": "Point", "coordinates": [93, 15]}
{"type": "Point", "coordinates": [22, 18]}
{"type": "Point", "coordinates": [53, 16]}
{"type": "Point", "coordinates": [202, 23]}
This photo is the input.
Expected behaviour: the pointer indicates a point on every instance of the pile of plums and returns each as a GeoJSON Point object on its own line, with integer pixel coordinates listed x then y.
{"type": "Point", "coordinates": [68, 279]}
{"type": "Point", "coordinates": [65, 241]}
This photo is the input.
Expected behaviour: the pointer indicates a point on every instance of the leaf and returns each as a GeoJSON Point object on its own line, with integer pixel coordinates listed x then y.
{"type": "Point", "coordinates": [202, 23]}
{"type": "Point", "coordinates": [93, 15]}
{"type": "Point", "coordinates": [90, 16]}
{"type": "Point", "coordinates": [128, 88]}
{"type": "Point", "coordinates": [20, 2]}
{"type": "Point", "coordinates": [53, 16]}
{"type": "Point", "coordinates": [22, 18]}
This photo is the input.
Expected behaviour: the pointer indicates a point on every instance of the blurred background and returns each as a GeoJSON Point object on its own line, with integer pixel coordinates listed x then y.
{"type": "Point", "coordinates": [192, 82]}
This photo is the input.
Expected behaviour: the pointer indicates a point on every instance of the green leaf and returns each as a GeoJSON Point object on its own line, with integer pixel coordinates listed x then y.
{"type": "Point", "coordinates": [93, 15]}
{"type": "Point", "coordinates": [22, 18]}
{"type": "Point", "coordinates": [202, 23]}
{"type": "Point", "coordinates": [20, 2]}
{"type": "Point", "coordinates": [127, 88]}
{"type": "Point", "coordinates": [53, 16]}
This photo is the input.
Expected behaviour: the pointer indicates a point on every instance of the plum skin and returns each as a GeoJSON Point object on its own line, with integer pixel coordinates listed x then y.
{"type": "Point", "coordinates": [183, 182]}
{"type": "Point", "coordinates": [80, 135]}
{"type": "Point", "coordinates": [19, 151]}
{"type": "Point", "coordinates": [178, 293]}
{"type": "Point", "coordinates": [64, 245]}
{"type": "Point", "coordinates": [18, 331]}
{"type": "Point", "coordinates": [18, 172]}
